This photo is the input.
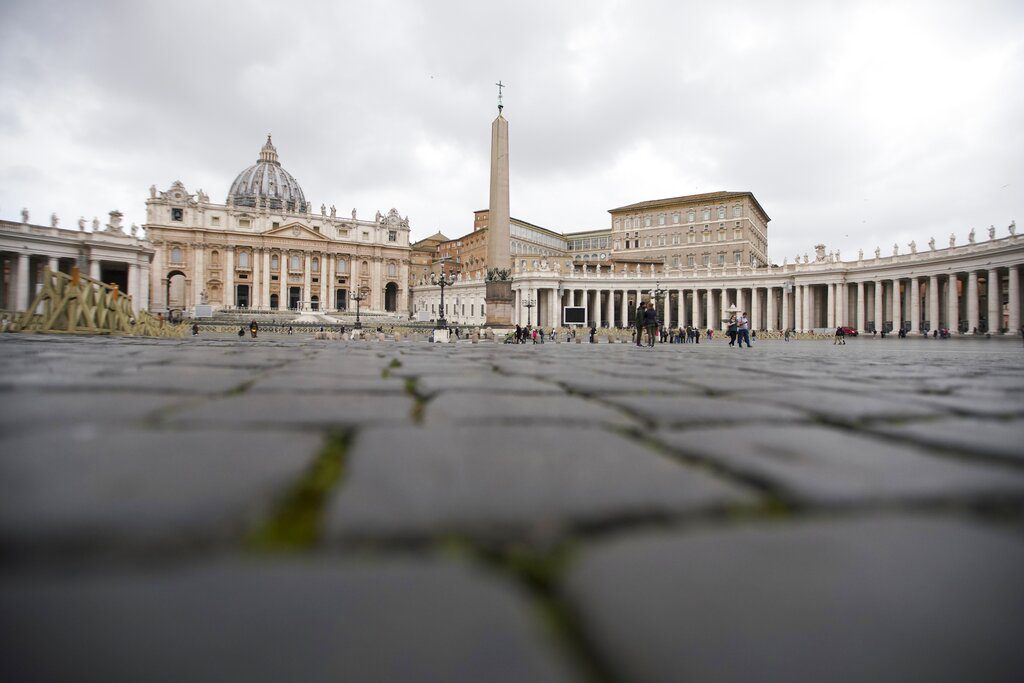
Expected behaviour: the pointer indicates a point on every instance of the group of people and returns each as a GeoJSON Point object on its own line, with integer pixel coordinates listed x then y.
{"type": "Point", "coordinates": [738, 329]}
{"type": "Point", "coordinates": [525, 334]}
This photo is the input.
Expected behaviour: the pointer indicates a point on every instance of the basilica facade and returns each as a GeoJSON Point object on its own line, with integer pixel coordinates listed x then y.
{"type": "Point", "coordinates": [266, 249]}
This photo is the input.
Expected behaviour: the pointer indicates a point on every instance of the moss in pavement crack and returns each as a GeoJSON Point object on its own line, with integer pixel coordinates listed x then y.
{"type": "Point", "coordinates": [296, 522]}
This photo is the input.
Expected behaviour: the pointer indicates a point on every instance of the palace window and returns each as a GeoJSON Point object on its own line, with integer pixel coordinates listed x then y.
{"type": "Point", "coordinates": [675, 219]}
{"type": "Point", "coordinates": [707, 214]}
{"type": "Point", "coordinates": [392, 270]}
{"type": "Point", "coordinates": [176, 255]}
{"type": "Point", "coordinates": [647, 222]}
{"type": "Point", "coordinates": [275, 262]}
{"type": "Point", "coordinates": [691, 261]}
{"type": "Point", "coordinates": [707, 259]}
{"type": "Point", "coordinates": [243, 259]}
{"type": "Point", "coordinates": [721, 212]}
{"type": "Point", "coordinates": [675, 261]}
{"type": "Point", "coordinates": [706, 236]}
{"type": "Point", "coordinates": [341, 266]}
{"type": "Point", "coordinates": [366, 237]}
{"type": "Point", "coordinates": [661, 219]}
{"type": "Point", "coordinates": [275, 224]}
{"type": "Point", "coordinates": [294, 263]}
{"type": "Point", "coordinates": [689, 238]}
{"type": "Point", "coordinates": [690, 215]}
{"type": "Point", "coordinates": [392, 235]}
{"type": "Point", "coordinates": [738, 256]}
{"type": "Point", "coordinates": [721, 235]}
{"type": "Point", "coordinates": [177, 215]}
{"type": "Point", "coordinates": [315, 265]}
{"type": "Point", "coordinates": [629, 223]}
{"type": "Point", "coordinates": [676, 238]}
{"type": "Point", "coordinates": [737, 211]}
{"type": "Point", "coordinates": [721, 259]}
{"type": "Point", "coordinates": [737, 234]}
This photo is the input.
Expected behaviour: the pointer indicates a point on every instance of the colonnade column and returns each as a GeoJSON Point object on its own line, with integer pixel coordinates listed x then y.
{"type": "Point", "coordinates": [755, 310]}
{"type": "Point", "coordinates": [624, 308]}
{"type": "Point", "coordinates": [830, 305]}
{"type": "Point", "coordinates": [157, 275]}
{"type": "Point", "coordinates": [307, 283]}
{"type": "Point", "coordinates": [972, 303]}
{"type": "Point", "coordinates": [952, 304]}
{"type": "Point", "coordinates": [681, 308]}
{"type": "Point", "coordinates": [933, 303]}
{"type": "Point", "coordinates": [915, 305]}
{"type": "Point", "coordinates": [995, 303]}
{"type": "Point", "coordinates": [597, 308]}
{"type": "Point", "coordinates": [769, 305]}
{"type": "Point", "coordinates": [861, 323]}
{"type": "Point", "coordinates": [798, 308]}
{"type": "Point", "coordinates": [1013, 300]}
{"type": "Point", "coordinates": [897, 305]}
{"type": "Point", "coordinates": [133, 285]}
{"type": "Point", "coordinates": [254, 284]}
{"type": "Point", "coordinates": [610, 308]}
{"type": "Point", "coordinates": [844, 304]}
{"type": "Point", "coordinates": [695, 308]}
{"type": "Point", "coordinates": [711, 307]}
{"type": "Point", "coordinates": [144, 285]}
{"type": "Point", "coordinates": [94, 271]}
{"type": "Point", "coordinates": [198, 273]}
{"type": "Point", "coordinates": [785, 310]}
{"type": "Point", "coordinates": [879, 305]}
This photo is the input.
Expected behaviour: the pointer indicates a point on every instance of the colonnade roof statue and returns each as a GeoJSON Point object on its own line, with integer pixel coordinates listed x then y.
{"type": "Point", "coordinates": [267, 180]}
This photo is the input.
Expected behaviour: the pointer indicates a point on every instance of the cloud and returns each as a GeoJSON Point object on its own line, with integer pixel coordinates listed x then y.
{"type": "Point", "coordinates": [855, 124]}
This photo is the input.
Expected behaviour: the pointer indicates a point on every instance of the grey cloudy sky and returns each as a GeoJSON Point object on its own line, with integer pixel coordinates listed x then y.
{"type": "Point", "coordinates": [855, 124]}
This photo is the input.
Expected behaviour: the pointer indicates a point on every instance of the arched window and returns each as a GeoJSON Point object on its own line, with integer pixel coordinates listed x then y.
{"type": "Point", "coordinates": [342, 265]}
{"type": "Point", "coordinates": [392, 270]}
{"type": "Point", "coordinates": [294, 263]}
{"type": "Point", "coordinates": [243, 259]}
{"type": "Point", "coordinates": [721, 212]}
{"type": "Point", "coordinates": [275, 262]}
{"type": "Point", "coordinates": [215, 258]}
{"type": "Point", "coordinates": [707, 214]}
{"type": "Point", "coordinates": [365, 270]}
{"type": "Point", "coordinates": [690, 216]}
{"type": "Point", "coordinates": [176, 255]}
{"type": "Point", "coordinates": [316, 265]}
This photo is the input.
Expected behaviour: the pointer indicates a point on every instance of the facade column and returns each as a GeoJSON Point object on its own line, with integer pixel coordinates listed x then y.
{"type": "Point", "coordinates": [680, 308]}
{"type": "Point", "coordinates": [610, 308]}
{"type": "Point", "coordinates": [995, 303]}
{"type": "Point", "coordinates": [327, 265]}
{"type": "Point", "coordinates": [54, 265]}
{"type": "Point", "coordinates": [255, 291]}
{"type": "Point", "coordinates": [144, 285]}
{"type": "Point", "coordinates": [133, 286]}
{"type": "Point", "coordinates": [198, 271]}
{"type": "Point", "coordinates": [830, 305]}
{"type": "Point", "coordinates": [695, 308]}
{"type": "Point", "coordinates": [1013, 300]}
{"type": "Point", "coordinates": [972, 303]}
{"type": "Point", "coordinates": [307, 283]}
{"type": "Point", "coordinates": [265, 285]}
{"type": "Point", "coordinates": [843, 303]}
{"type": "Point", "coordinates": [769, 305]}
{"type": "Point", "coordinates": [808, 311]}
{"type": "Point", "coordinates": [94, 271]}
{"type": "Point", "coordinates": [597, 307]}
{"type": "Point", "coordinates": [897, 307]}
{"type": "Point", "coordinates": [879, 305]}
{"type": "Point", "coordinates": [158, 286]}
{"type": "Point", "coordinates": [952, 304]}
{"type": "Point", "coordinates": [784, 300]}
{"type": "Point", "coordinates": [933, 303]}
{"type": "Point", "coordinates": [915, 306]}
{"type": "Point", "coordinates": [861, 323]}
{"type": "Point", "coordinates": [21, 295]}
{"type": "Point", "coordinates": [624, 308]}
{"type": "Point", "coordinates": [229, 276]}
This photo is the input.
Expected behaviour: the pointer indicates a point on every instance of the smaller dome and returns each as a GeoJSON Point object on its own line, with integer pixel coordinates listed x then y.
{"type": "Point", "coordinates": [266, 181]}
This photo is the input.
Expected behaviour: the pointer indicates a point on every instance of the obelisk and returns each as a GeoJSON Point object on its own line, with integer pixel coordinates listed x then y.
{"type": "Point", "coordinates": [499, 292]}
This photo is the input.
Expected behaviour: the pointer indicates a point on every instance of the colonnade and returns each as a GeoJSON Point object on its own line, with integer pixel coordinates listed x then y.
{"type": "Point", "coordinates": [971, 301]}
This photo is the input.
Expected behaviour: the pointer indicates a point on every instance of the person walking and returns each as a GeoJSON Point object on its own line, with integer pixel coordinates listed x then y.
{"type": "Point", "coordinates": [840, 337]}
{"type": "Point", "coordinates": [651, 323]}
{"type": "Point", "coordinates": [638, 322]}
{"type": "Point", "coordinates": [593, 334]}
{"type": "Point", "coordinates": [743, 329]}
{"type": "Point", "coordinates": [253, 329]}
{"type": "Point", "coordinates": [195, 329]}
{"type": "Point", "coordinates": [732, 330]}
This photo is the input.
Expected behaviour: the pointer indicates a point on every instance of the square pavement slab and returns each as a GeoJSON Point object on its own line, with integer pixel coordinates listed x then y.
{"type": "Point", "coordinates": [878, 599]}
{"type": "Point", "coordinates": [823, 466]}
{"type": "Point", "coordinates": [415, 621]}
{"type": "Point", "coordinates": [994, 438]}
{"type": "Point", "coordinates": [299, 410]}
{"type": "Point", "coordinates": [85, 486]}
{"type": "Point", "coordinates": [503, 482]}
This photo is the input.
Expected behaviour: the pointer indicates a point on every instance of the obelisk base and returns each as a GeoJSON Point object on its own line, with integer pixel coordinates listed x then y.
{"type": "Point", "coordinates": [499, 301]}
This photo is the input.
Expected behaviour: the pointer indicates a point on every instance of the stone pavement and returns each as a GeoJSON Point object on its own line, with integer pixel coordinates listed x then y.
{"type": "Point", "coordinates": [217, 509]}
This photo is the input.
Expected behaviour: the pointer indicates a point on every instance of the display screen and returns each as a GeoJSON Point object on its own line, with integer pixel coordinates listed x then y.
{"type": "Point", "coordinates": [575, 315]}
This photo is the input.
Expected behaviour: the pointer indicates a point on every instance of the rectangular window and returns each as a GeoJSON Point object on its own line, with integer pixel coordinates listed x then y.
{"type": "Point", "coordinates": [243, 222]}
{"type": "Point", "coordinates": [707, 259]}
{"type": "Point", "coordinates": [177, 214]}
{"type": "Point", "coordinates": [392, 235]}
{"type": "Point", "coordinates": [366, 237]}
{"type": "Point", "coordinates": [721, 259]}
{"type": "Point", "coordinates": [691, 261]}
{"type": "Point", "coordinates": [275, 224]}
{"type": "Point", "coordinates": [738, 256]}
{"type": "Point", "coordinates": [215, 220]}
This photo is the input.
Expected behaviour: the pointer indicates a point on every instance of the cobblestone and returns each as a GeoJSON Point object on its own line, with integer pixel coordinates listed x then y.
{"type": "Point", "coordinates": [794, 511]}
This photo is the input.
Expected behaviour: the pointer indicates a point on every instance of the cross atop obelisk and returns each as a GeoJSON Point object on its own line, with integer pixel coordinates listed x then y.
{"type": "Point", "coordinates": [500, 86]}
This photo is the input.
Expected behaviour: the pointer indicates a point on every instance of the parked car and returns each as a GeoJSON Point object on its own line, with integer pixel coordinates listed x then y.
{"type": "Point", "coordinates": [849, 331]}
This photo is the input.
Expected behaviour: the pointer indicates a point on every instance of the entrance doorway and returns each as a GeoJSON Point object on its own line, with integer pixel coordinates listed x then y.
{"type": "Point", "coordinates": [391, 297]}
{"type": "Point", "coordinates": [176, 290]}
{"type": "Point", "coordinates": [314, 303]}
{"type": "Point", "coordinates": [294, 296]}
{"type": "Point", "coordinates": [341, 299]}
{"type": "Point", "coordinates": [275, 300]}
{"type": "Point", "coordinates": [242, 296]}
{"type": "Point", "coordinates": [115, 274]}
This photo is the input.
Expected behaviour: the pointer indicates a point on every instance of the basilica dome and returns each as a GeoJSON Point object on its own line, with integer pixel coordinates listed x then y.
{"type": "Point", "coordinates": [267, 180]}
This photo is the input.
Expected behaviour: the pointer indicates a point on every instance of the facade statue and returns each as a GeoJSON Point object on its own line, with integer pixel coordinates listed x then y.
{"type": "Point", "coordinates": [334, 212]}
{"type": "Point", "coordinates": [952, 239]}
{"type": "Point", "coordinates": [376, 219]}
{"type": "Point", "coordinates": [54, 220]}
{"type": "Point", "coordinates": [860, 254]}
{"type": "Point", "coordinates": [24, 215]}
{"type": "Point", "coordinates": [135, 230]}
{"type": "Point", "coordinates": [895, 249]}
{"type": "Point", "coordinates": [81, 224]}
{"type": "Point", "coordinates": [323, 210]}
{"type": "Point", "coordinates": [931, 244]}
{"type": "Point", "coordinates": [203, 197]}
{"type": "Point", "coordinates": [805, 258]}
{"type": "Point", "coordinates": [878, 252]}
{"type": "Point", "coordinates": [785, 261]}
{"type": "Point", "coordinates": [95, 224]}
{"type": "Point", "coordinates": [991, 232]}
{"type": "Point", "coordinates": [838, 259]}
{"type": "Point", "coordinates": [1012, 228]}
{"type": "Point", "coordinates": [913, 247]}
{"type": "Point", "coordinates": [970, 236]}
{"type": "Point", "coordinates": [152, 191]}
{"type": "Point", "coordinates": [819, 252]}
{"type": "Point", "coordinates": [202, 297]}
{"type": "Point", "coordinates": [353, 214]}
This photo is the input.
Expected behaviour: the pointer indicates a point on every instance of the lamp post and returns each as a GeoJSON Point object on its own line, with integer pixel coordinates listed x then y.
{"type": "Point", "coordinates": [528, 304]}
{"type": "Point", "coordinates": [358, 296]}
{"type": "Point", "coordinates": [658, 294]}
{"type": "Point", "coordinates": [442, 282]}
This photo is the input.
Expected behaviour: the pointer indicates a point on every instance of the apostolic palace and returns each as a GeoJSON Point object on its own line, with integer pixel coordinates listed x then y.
{"type": "Point", "coordinates": [267, 251]}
